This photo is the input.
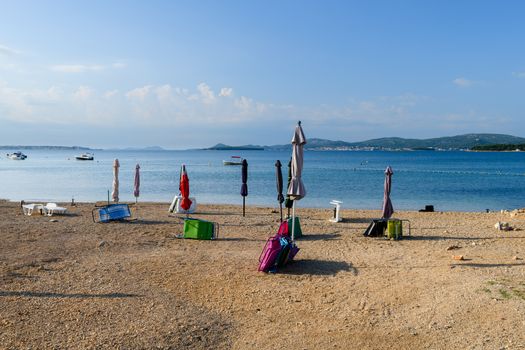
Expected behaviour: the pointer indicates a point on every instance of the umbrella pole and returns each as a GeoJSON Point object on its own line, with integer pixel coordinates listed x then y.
{"type": "Point", "coordinates": [281, 210]}
{"type": "Point", "coordinates": [293, 221]}
{"type": "Point", "coordinates": [108, 197]}
{"type": "Point", "coordinates": [243, 205]}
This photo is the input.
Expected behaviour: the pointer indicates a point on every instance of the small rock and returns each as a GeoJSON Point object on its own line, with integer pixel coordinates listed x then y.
{"type": "Point", "coordinates": [452, 247]}
{"type": "Point", "coordinates": [53, 220]}
{"type": "Point", "coordinates": [515, 257]}
{"type": "Point", "coordinates": [458, 257]}
{"type": "Point", "coordinates": [102, 243]}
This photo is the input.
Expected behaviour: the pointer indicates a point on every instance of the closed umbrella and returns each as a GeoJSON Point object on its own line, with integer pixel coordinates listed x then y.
{"type": "Point", "coordinates": [114, 193]}
{"type": "Point", "coordinates": [296, 190]}
{"type": "Point", "coordinates": [184, 188]}
{"type": "Point", "coordinates": [136, 187]}
{"type": "Point", "coordinates": [388, 209]}
{"type": "Point", "coordinates": [288, 203]}
{"type": "Point", "coordinates": [279, 180]}
{"type": "Point", "coordinates": [244, 186]}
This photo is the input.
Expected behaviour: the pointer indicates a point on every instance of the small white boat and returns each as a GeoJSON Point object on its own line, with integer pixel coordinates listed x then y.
{"type": "Point", "coordinates": [17, 156]}
{"type": "Point", "coordinates": [84, 156]}
{"type": "Point", "coordinates": [234, 160]}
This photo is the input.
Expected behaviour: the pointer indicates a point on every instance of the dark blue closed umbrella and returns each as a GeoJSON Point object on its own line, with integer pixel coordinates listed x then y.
{"type": "Point", "coordinates": [288, 203]}
{"type": "Point", "coordinates": [244, 186]}
{"type": "Point", "coordinates": [279, 180]}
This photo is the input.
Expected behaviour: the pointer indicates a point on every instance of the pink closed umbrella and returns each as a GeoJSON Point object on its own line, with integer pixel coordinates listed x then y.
{"type": "Point", "coordinates": [114, 194]}
{"type": "Point", "coordinates": [388, 209]}
{"type": "Point", "coordinates": [136, 191]}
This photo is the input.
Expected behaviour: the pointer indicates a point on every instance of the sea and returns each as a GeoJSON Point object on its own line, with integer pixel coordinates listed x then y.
{"type": "Point", "coordinates": [448, 180]}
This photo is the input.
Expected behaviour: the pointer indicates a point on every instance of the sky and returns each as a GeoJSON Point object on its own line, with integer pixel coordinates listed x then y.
{"type": "Point", "coordinates": [185, 74]}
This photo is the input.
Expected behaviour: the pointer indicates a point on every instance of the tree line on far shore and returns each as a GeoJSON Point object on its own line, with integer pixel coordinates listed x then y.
{"type": "Point", "coordinates": [500, 147]}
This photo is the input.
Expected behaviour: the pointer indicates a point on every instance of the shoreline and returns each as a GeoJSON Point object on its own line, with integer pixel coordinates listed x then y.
{"type": "Point", "coordinates": [260, 206]}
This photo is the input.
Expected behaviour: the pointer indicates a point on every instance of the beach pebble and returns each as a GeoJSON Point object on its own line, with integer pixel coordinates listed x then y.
{"type": "Point", "coordinates": [53, 220]}
{"type": "Point", "coordinates": [452, 247]}
{"type": "Point", "coordinates": [515, 257]}
{"type": "Point", "coordinates": [101, 244]}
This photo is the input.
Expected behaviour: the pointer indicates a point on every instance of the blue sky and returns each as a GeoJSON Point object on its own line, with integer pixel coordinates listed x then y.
{"type": "Point", "coordinates": [183, 74]}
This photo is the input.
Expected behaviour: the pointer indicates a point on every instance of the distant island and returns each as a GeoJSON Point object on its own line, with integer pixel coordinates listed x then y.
{"type": "Point", "coordinates": [223, 147]}
{"type": "Point", "coordinates": [449, 143]}
{"type": "Point", "coordinates": [500, 148]}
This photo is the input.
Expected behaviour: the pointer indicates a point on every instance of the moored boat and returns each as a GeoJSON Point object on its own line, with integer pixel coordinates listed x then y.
{"type": "Point", "coordinates": [234, 160]}
{"type": "Point", "coordinates": [17, 156]}
{"type": "Point", "coordinates": [85, 156]}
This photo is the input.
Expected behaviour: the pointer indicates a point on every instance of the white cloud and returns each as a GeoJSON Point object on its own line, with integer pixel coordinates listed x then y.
{"type": "Point", "coordinates": [83, 93]}
{"type": "Point", "coordinates": [164, 92]}
{"type": "Point", "coordinates": [110, 93]}
{"type": "Point", "coordinates": [83, 68]}
{"type": "Point", "coordinates": [226, 92]}
{"type": "Point", "coordinates": [7, 51]}
{"type": "Point", "coordinates": [167, 107]}
{"type": "Point", "coordinates": [76, 68]}
{"type": "Point", "coordinates": [139, 93]}
{"type": "Point", "coordinates": [243, 103]}
{"type": "Point", "coordinates": [207, 94]}
{"type": "Point", "coordinates": [463, 82]}
{"type": "Point", "coordinates": [119, 65]}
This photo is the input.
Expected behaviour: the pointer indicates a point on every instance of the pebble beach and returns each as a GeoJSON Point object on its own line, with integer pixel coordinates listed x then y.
{"type": "Point", "coordinates": [457, 282]}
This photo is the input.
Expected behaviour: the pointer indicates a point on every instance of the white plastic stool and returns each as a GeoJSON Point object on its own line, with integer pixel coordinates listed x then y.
{"type": "Point", "coordinates": [337, 209]}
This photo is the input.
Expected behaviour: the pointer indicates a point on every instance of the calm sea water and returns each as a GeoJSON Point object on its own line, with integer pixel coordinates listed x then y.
{"type": "Point", "coordinates": [465, 181]}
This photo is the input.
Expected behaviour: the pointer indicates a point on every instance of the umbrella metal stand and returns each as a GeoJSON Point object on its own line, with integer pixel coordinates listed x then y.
{"type": "Point", "coordinates": [243, 205]}
{"type": "Point", "coordinates": [293, 221]}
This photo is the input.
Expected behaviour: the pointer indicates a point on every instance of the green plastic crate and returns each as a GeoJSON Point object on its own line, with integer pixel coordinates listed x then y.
{"type": "Point", "coordinates": [199, 229]}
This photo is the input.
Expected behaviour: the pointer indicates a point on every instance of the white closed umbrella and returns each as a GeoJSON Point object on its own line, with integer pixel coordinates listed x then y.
{"type": "Point", "coordinates": [296, 189]}
{"type": "Point", "coordinates": [114, 193]}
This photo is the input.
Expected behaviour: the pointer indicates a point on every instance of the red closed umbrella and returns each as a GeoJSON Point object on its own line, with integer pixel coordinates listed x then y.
{"type": "Point", "coordinates": [184, 188]}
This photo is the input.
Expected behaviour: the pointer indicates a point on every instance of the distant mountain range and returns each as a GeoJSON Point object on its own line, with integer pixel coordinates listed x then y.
{"type": "Point", "coordinates": [17, 147]}
{"type": "Point", "coordinates": [459, 142]}
{"type": "Point", "coordinates": [223, 147]}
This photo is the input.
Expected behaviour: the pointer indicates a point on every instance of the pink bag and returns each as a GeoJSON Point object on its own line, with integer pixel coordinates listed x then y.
{"type": "Point", "coordinates": [271, 250]}
{"type": "Point", "coordinates": [283, 228]}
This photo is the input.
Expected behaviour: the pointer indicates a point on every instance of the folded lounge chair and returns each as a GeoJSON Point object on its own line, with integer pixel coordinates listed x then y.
{"type": "Point", "coordinates": [29, 209]}
{"type": "Point", "coordinates": [53, 208]}
{"type": "Point", "coordinates": [199, 229]}
{"type": "Point", "coordinates": [111, 212]}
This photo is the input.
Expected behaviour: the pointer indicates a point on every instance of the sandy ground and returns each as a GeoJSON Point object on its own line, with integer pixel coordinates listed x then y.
{"type": "Point", "coordinates": [73, 284]}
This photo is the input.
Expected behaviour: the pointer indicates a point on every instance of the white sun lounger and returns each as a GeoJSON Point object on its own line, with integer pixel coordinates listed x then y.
{"type": "Point", "coordinates": [53, 208]}
{"type": "Point", "coordinates": [32, 207]}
